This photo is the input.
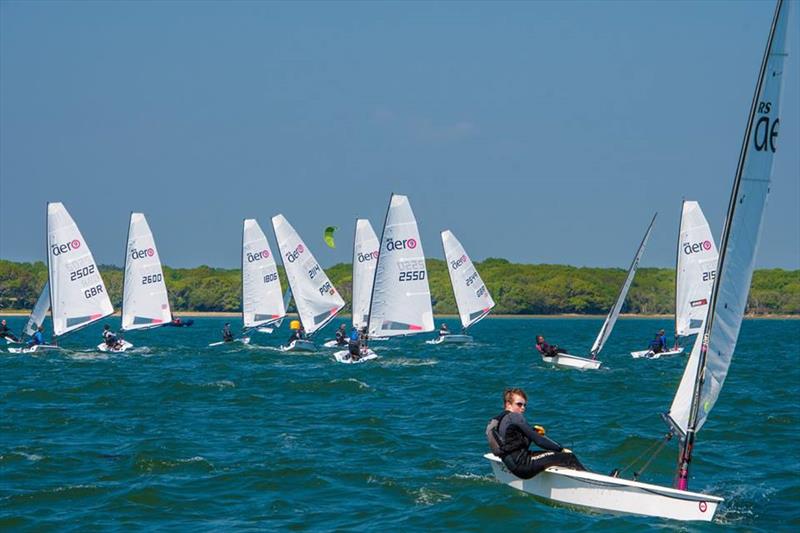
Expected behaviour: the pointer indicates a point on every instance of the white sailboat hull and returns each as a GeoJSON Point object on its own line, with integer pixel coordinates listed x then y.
{"type": "Point", "coordinates": [566, 360]}
{"type": "Point", "coordinates": [343, 356]}
{"type": "Point", "coordinates": [610, 494]}
{"type": "Point", "coordinates": [103, 347]}
{"type": "Point", "coordinates": [648, 354]}
{"type": "Point", "coordinates": [35, 348]}
{"type": "Point", "coordinates": [333, 344]}
{"type": "Point", "coordinates": [243, 340]}
{"type": "Point", "coordinates": [300, 345]}
{"type": "Point", "coordinates": [451, 339]}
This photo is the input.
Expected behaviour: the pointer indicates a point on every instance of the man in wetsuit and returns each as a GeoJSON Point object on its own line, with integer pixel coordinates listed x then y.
{"type": "Point", "coordinates": [444, 330]}
{"type": "Point", "coordinates": [110, 338]}
{"type": "Point", "coordinates": [227, 334]}
{"type": "Point", "coordinates": [341, 336]}
{"type": "Point", "coordinates": [6, 332]}
{"type": "Point", "coordinates": [38, 337]}
{"type": "Point", "coordinates": [516, 435]}
{"type": "Point", "coordinates": [656, 345]}
{"type": "Point", "coordinates": [296, 335]}
{"type": "Point", "coordinates": [354, 344]}
{"type": "Point", "coordinates": [548, 350]}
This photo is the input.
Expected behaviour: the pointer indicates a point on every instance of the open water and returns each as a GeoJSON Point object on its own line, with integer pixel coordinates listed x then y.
{"type": "Point", "coordinates": [175, 436]}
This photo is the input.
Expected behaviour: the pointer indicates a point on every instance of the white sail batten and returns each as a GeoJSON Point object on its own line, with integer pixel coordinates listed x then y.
{"type": "Point", "coordinates": [316, 298]}
{"type": "Point", "coordinates": [78, 295]}
{"type": "Point", "coordinates": [613, 314]}
{"type": "Point", "coordinates": [365, 257]}
{"type": "Point", "coordinates": [472, 297]}
{"type": "Point", "coordinates": [262, 299]}
{"type": "Point", "coordinates": [401, 297]}
{"type": "Point", "coordinates": [39, 311]}
{"type": "Point", "coordinates": [145, 303]}
{"type": "Point", "coordinates": [696, 269]}
{"type": "Point", "coordinates": [739, 241]}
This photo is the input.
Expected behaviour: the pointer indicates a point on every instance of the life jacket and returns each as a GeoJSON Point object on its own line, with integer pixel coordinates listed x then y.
{"type": "Point", "coordinates": [514, 440]}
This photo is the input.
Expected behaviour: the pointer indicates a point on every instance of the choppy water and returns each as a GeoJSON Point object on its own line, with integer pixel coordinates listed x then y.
{"type": "Point", "coordinates": [178, 436]}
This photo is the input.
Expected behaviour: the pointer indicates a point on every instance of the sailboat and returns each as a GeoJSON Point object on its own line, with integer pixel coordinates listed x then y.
{"type": "Point", "coordinates": [78, 296]}
{"type": "Point", "coordinates": [145, 303]}
{"type": "Point", "coordinates": [472, 297]}
{"type": "Point", "coordinates": [365, 257]}
{"type": "Point", "coordinates": [315, 297]}
{"type": "Point", "coordinates": [400, 303]}
{"type": "Point", "coordinates": [262, 303]}
{"type": "Point", "coordinates": [695, 268]}
{"type": "Point", "coordinates": [711, 354]}
{"type": "Point", "coordinates": [591, 363]}
{"type": "Point", "coordinates": [35, 320]}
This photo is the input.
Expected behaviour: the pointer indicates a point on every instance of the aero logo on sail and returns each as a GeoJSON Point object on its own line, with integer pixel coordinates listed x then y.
{"type": "Point", "coordinates": [142, 254]}
{"type": "Point", "coordinates": [697, 247]}
{"type": "Point", "coordinates": [257, 256]}
{"type": "Point", "coordinates": [294, 255]}
{"type": "Point", "coordinates": [458, 262]}
{"type": "Point", "coordinates": [58, 249]}
{"type": "Point", "coordinates": [400, 245]}
{"type": "Point", "coordinates": [368, 256]}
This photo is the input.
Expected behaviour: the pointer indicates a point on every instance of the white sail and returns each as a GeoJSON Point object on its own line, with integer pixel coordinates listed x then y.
{"type": "Point", "coordinates": [262, 301]}
{"type": "Point", "coordinates": [365, 257]}
{"type": "Point", "coordinates": [77, 292]}
{"type": "Point", "coordinates": [315, 296]}
{"type": "Point", "coordinates": [144, 296]}
{"type": "Point", "coordinates": [611, 319]}
{"type": "Point", "coordinates": [739, 240]}
{"type": "Point", "coordinates": [696, 269]}
{"type": "Point", "coordinates": [401, 297]}
{"type": "Point", "coordinates": [39, 311]}
{"type": "Point", "coordinates": [472, 297]}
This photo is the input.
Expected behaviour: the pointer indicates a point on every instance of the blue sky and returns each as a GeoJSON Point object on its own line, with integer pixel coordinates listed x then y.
{"type": "Point", "coordinates": [543, 132]}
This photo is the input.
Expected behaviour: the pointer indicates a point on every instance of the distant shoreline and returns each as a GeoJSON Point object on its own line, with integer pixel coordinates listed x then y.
{"type": "Point", "coordinates": [226, 314]}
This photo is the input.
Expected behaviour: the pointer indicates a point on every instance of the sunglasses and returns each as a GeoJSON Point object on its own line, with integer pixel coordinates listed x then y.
{"type": "Point", "coordinates": [520, 404]}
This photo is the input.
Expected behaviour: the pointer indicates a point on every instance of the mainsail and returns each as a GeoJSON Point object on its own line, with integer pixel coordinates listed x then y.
{"type": "Point", "coordinates": [39, 311]}
{"type": "Point", "coordinates": [78, 295]}
{"type": "Point", "coordinates": [611, 319]}
{"type": "Point", "coordinates": [696, 268]}
{"type": "Point", "coordinates": [315, 296]}
{"type": "Point", "coordinates": [145, 303]}
{"type": "Point", "coordinates": [472, 297]}
{"type": "Point", "coordinates": [365, 257]}
{"type": "Point", "coordinates": [712, 352]}
{"type": "Point", "coordinates": [401, 297]}
{"type": "Point", "coordinates": [262, 302]}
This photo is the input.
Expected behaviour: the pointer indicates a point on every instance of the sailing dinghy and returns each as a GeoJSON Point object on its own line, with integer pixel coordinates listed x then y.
{"type": "Point", "coordinates": [262, 302]}
{"type": "Point", "coordinates": [400, 303]}
{"type": "Point", "coordinates": [78, 296]}
{"type": "Point", "coordinates": [145, 303]}
{"type": "Point", "coordinates": [315, 297]}
{"type": "Point", "coordinates": [711, 354]}
{"type": "Point", "coordinates": [472, 297]}
{"type": "Point", "coordinates": [591, 363]}
{"type": "Point", "coordinates": [35, 320]}
{"type": "Point", "coordinates": [696, 263]}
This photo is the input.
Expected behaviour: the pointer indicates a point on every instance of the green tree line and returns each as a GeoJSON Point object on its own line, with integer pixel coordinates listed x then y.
{"type": "Point", "coordinates": [516, 288]}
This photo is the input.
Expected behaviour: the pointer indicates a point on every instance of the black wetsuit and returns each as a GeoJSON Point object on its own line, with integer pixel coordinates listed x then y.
{"type": "Point", "coordinates": [227, 335]}
{"type": "Point", "coordinates": [548, 350]}
{"type": "Point", "coordinates": [341, 337]}
{"type": "Point", "coordinates": [517, 435]}
{"type": "Point", "coordinates": [5, 331]}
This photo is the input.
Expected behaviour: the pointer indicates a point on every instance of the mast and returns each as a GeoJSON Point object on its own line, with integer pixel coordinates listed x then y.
{"type": "Point", "coordinates": [54, 337]}
{"type": "Point", "coordinates": [125, 270]}
{"type": "Point", "coordinates": [677, 265]}
{"type": "Point", "coordinates": [687, 444]}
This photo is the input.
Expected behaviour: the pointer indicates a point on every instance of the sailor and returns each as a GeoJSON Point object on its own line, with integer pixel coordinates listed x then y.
{"type": "Point", "coordinates": [227, 334]}
{"type": "Point", "coordinates": [443, 330]}
{"type": "Point", "coordinates": [6, 332]}
{"type": "Point", "coordinates": [296, 335]}
{"type": "Point", "coordinates": [341, 336]}
{"type": "Point", "coordinates": [662, 337]}
{"type": "Point", "coordinates": [354, 344]}
{"type": "Point", "coordinates": [657, 344]}
{"type": "Point", "coordinates": [514, 435]}
{"type": "Point", "coordinates": [110, 338]}
{"type": "Point", "coordinates": [548, 350]}
{"type": "Point", "coordinates": [38, 337]}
